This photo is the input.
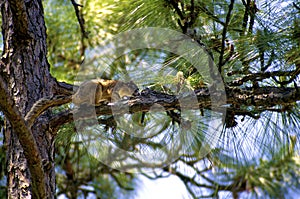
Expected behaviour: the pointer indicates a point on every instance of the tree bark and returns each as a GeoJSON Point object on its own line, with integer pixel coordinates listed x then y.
{"type": "Point", "coordinates": [25, 73]}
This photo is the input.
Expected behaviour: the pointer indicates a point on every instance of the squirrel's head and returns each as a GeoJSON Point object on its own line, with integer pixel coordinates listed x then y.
{"type": "Point", "coordinates": [126, 89]}
{"type": "Point", "coordinates": [132, 87]}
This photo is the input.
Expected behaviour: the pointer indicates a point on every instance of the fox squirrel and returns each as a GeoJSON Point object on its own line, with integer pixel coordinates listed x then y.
{"type": "Point", "coordinates": [95, 91]}
{"type": "Point", "coordinates": [91, 92]}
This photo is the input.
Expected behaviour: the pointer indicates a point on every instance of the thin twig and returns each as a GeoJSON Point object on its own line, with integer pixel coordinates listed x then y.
{"type": "Point", "coordinates": [265, 75]}
{"type": "Point", "coordinates": [246, 15]}
{"type": "Point", "coordinates": [79, 18]}
{"type": "Point", "coordinates": [228, 17]}
{"type": "Point", "coordinates": [295, 5]}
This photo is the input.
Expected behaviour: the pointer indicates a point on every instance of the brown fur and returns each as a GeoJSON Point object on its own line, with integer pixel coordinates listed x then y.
{"type": "Point", "coordinates": [95, 91]}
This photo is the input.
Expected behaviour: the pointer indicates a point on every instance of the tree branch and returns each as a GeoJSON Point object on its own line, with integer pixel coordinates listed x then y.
{"type": "Point", "coordinates": [178, 11]}
{"type": "Point", "coordinates": [79, 18]}
{"type": "Point", "coordinates": [295, 5]}
{"type": "Point", "coordinates": [264, 75]}
{"type": "Point", "coordinates": [265, 97]}
{"type": "Point", "coordinates": [62, 88]}
{"type": "Point", "coordinates": [224, 33]}
{"type": "Point", "coordinates": [252, 11]}
{"type": "Point", "coordinates": [246, 15]}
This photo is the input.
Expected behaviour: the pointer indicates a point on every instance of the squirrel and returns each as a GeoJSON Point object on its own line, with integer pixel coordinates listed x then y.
{"type": "Point", "coordinates": [93, 92]}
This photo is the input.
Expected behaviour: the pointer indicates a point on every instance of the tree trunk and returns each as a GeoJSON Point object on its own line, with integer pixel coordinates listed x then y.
{"type": "Point", "coordinates": [25, 71]}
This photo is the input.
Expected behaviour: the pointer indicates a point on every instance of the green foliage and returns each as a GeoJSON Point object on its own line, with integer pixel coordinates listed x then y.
{"type": "Point", "coordinates": [256, 157]}
{"type": "Point", "coordinates": [79, 174]}
{"type": "Point", "coordinates": [64, 41]}
{"type": "Point", "coordinates": [141, 13]}
{"type": "Point", "coordinates": [271, 177]}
